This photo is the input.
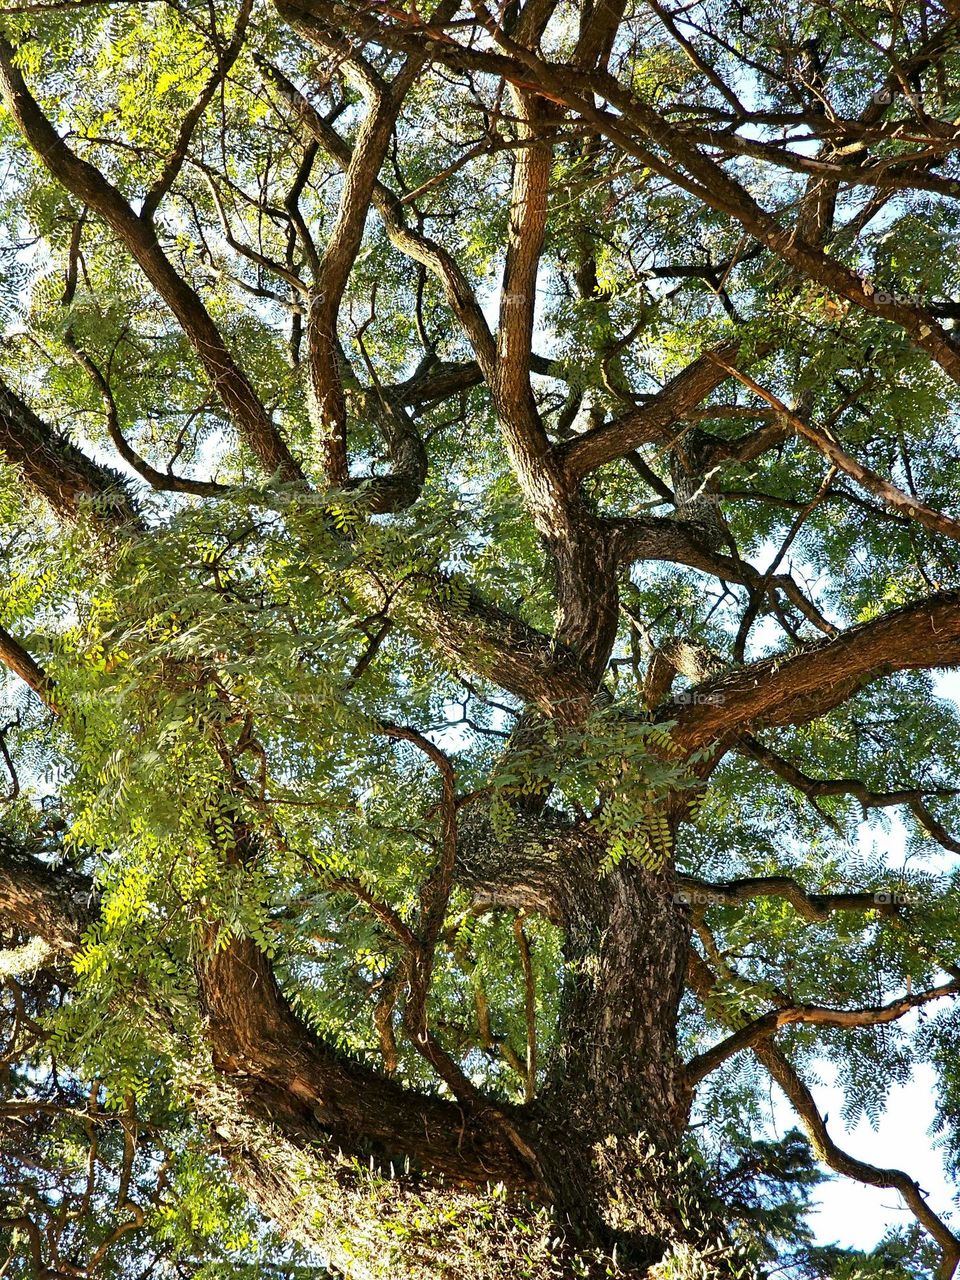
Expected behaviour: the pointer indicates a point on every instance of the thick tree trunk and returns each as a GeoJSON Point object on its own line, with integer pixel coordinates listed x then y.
{"type": "Point", "coordinates": [602, 1137]}
{"type": "Point", "coordinates": [610, 1121]}
{"type": "Point", "coordinates": [615, 1107]}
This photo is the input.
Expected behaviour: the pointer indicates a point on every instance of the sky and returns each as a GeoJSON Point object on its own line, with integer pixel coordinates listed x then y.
{"type": "Point", "coordinates": [849, 1213]}
{"type": "Point", "coordinates": [857, 1216]}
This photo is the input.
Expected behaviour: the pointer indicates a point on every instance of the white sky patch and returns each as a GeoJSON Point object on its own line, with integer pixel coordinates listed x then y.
{"type": "Point", "coordinates": [855, 1216]}
{"type": "Point", "coordinates": [849, 1213]}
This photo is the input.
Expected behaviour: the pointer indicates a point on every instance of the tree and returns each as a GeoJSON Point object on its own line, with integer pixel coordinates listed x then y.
{"type": "Point", "coordinates": [475, 498]}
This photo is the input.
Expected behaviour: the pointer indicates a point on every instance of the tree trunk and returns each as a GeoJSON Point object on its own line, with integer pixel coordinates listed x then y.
{"type": "Point", "coordinates": [609, 1124]}
{"type": "Point", "coordinates": [615, 1107]}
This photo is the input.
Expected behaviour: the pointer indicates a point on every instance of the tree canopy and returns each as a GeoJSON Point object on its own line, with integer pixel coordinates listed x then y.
{"type": "Point", "coordinates": [478, 499]}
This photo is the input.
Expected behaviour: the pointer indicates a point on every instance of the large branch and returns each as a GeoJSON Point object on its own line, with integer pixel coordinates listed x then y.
{"type": "Point", "coordinates": [795, 687]}
{"type": "Point", "coordinates": [289, 1077]}
{"type": "Point", "coordinates": [652, 421]}
{"type": "Point", "coordinates": [545, 490]}
{"type": "Point", "coordinates": [333, 271]}
{"type": "Point", "coordinates": [57, 470]}
{"type": "Point", "coordinates": [55, 904]}
{"type": "Point", "coordinates": [137, 234]}
{"type": "Point", "coordinates": [481, 637]}
{"type": "Point", "coordinates": [815, 907]}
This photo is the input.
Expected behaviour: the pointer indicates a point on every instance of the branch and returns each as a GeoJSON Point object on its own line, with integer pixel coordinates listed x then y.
{"type": "Point", "coordinates": [417, 246]}
{"type": "Point", "coordinates": [792, 688]}
{"type": "Point", "coordinates": [437, 380]}
{"type": "Point", "coordinates": [435, 893]}
{"type": "Point", "coordinates": [162, 481]}
{"type": "Point", "coordinates": [652, 422]}
{"type": "Point", "coordinates": [21, 663]}
{"type": "Point", "coordinates": [57, 905]}
{"type": "Point", "coordinates": [89, 185]}
{"type": "Point", "coordinates": [902, 502]}
{"type": "Point", "coordinates": [530, 1007]}
{"type": "Point", "coordinates": [316, 1094]}
{"type": "Point", "coordinates": [323, 349]}
{"type": "Point", "coordinates": [57, 470]}
{"type": "Point", "coordinates": [174, 161]}
{"type": "Point", "coordinates": [541, 480]}
{"type": "Point", "coordinates": [769, 1023]}
{"type": "Point", "coordinates": [703, 981]}
{"type": "Point", "coordinates": [815, 788]}
{"type": "Point", "coordinates": [434, 898]}
{"type": "Point", "coordinates": [682, 542]}
{"type": "Point", "coordinates": [815, 907]}
{"type": "Point", "coordinates": [498, 645]}
{"type": "Point", "coordinates": [835, 1158]}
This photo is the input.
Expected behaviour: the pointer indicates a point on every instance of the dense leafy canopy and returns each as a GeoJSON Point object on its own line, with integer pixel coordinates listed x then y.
{"type": "Point", "coordinates": [475, 504]}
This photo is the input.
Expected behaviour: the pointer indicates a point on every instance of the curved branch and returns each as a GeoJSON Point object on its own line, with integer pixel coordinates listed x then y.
{"type": "Point", "coordinates": [681, 542]}
{"type": "Point", "coordinates": [815, 788]}
{"type": "Point", "coordinates": [161, 481]}
{"type": "Point", "coordinates": [769, 1023]}
{"type": "Point", "coordinates": [702, 979]}
{"type": "Point", "coordinates": [287, 1075]}
{"type": "Point", "coordinates": [88, 184]}
{"type": "Point", "coordinates": [841, 1162]}
{"type": "Point", "coordinates": [652, 421]}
